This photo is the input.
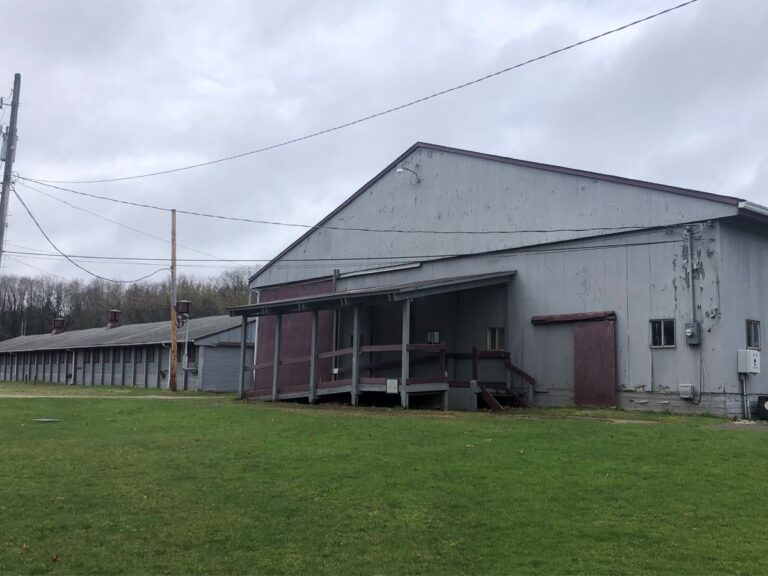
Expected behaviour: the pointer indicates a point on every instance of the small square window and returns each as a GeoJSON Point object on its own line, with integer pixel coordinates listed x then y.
{"type": "Point", "coordinates": [138, 355]}
{"type": "Point", "coordinates": [495, 339]}
{"type": "Point", "coordinates": [150, 354]}
{"type": "Point", "coordinates": [127, 355]}
{"type": "Point", "coordinates": [87, 357]}
{"type": "Point", "coordinates": [116, 355]}
{"type": "Point", "coordinates": [97, 356]}
{"type": "Point", "coordinates": [433, 337]}
{"type": "Point", "coordinates": [663, 333]}
{"type": "Point", "coordinates": [753, 334]}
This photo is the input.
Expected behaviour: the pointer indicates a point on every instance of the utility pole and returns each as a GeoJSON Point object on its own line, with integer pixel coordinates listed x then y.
{"type": "Point", "coordinates": [10, 153]}
{"type": "Point", "coordinates": [174, 343]}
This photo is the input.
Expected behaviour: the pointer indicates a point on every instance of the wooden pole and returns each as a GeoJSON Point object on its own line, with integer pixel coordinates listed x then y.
{"type": "Point", "coordinates": [174, 342]}
{"type": "Point", "coordinates": [10, 153]}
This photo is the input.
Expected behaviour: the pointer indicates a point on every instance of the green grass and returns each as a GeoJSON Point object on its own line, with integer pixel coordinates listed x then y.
{"type": "Point", "coordinates": [48, 389]}
{"type": "Point", "coordinates": [132, 486]}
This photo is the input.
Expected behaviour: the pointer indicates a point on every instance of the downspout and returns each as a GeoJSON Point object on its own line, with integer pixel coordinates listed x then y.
{"type": "Point", "coordinates": [744, 397]}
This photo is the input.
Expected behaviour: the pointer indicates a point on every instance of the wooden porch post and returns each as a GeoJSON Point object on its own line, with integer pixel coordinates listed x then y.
{"type": "Point", "coordinates": [276, 366]}
{"type": "Point", "coordinates": [355, 353]}
{"type": "Point", "coordinates": [243, 343]}
{"type": "Point", "coordinates": [313, 359]}
{"type": "Point", "coordinates": [405, 360]}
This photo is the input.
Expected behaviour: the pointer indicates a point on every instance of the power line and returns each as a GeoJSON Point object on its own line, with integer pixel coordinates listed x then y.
{"type": "Point", "coordinates": [353, 259]}
{"type": "Point", "coordinates": [53, 245]}
{"type": "Point", "coordinates": [381, 113]}
{"type": "Point", "coordinates": [115, 221]}
{"type": "Point", "coordinates": [36, 268]}
{"type": "Point", "coordinates": [327, 227]}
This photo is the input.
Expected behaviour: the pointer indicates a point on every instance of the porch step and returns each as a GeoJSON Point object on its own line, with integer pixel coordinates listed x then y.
{"type": "Point", "coordinates": [489, 399]}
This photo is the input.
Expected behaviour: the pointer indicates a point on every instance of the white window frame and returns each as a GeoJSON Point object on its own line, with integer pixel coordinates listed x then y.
{"type": "Point", "coordinates": [751, 344]}
{"type": "Point", "coordinates": [432, 337]}
{"type": "Point", "coordinates": [495, 339]}
{"type": "Point", "coordinates": [663, 344]}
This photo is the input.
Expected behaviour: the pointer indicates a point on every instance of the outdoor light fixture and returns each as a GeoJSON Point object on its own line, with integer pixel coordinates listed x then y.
{"type": "Point", "coordinates": [182, 307]}
{"type": "Point", "coordinates": [401, 169]}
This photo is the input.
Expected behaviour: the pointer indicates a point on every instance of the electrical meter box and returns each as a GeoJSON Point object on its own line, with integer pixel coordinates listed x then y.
{"type": "Point", "coordinates": [692, 333]}
{"type": "Point", "coordinates": [749, 361]}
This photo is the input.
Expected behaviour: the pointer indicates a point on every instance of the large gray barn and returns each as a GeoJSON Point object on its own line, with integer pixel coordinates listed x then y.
{"type": "Point", "coordinates": [464, 275]}
{"type": "Point", "coordinates": [135, 355]}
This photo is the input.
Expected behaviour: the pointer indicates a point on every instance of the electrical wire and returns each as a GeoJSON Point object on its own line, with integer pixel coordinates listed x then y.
{"type": "Point", "coordinates": [73, 262]}
{"type": "Point", "coordinates": [381, 113]}
{"type": "Point", "coordinates": [404, 259]}
{"type": "Point", "coordinates": [327, 227]}
{"type": "Point", "coordinates": [35, 267]}
{"type": "Point", "coordinates": [116, 222]}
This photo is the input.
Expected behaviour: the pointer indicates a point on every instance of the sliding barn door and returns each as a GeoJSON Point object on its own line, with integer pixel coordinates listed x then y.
{"type": "Point", "coordinates": [594, 359]}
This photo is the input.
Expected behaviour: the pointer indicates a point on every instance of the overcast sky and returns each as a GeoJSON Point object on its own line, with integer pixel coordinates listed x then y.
{"type": "Point", "coordinates": [114, 88]}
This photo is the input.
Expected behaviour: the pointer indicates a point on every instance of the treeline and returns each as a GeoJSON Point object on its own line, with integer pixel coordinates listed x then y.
{"type": "Point", "coordinates": [29, 305]}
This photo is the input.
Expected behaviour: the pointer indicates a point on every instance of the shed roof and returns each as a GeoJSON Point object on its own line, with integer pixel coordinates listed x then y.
{"type": "Point", "coordinates": [391, 293]}
{"type": "Point", "coordinates": [127, 335]}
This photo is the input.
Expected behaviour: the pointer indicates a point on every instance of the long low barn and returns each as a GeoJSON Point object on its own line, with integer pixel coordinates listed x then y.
{"type": "Point", "coordinates": [135, 355]}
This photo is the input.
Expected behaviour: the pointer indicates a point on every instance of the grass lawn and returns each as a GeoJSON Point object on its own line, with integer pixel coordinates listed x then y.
{"type": "Point", "coordinates": [127, 486]}
{"type": "Point", "coordinates": [49, 389]}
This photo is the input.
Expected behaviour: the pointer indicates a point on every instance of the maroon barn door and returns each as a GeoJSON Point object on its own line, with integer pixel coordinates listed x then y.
{"type": "Point", "coordinates": [594, 359]}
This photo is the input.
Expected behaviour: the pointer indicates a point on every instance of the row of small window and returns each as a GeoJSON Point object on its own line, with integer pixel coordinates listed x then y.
{"type": "Point", "coordinates": [663, 333]}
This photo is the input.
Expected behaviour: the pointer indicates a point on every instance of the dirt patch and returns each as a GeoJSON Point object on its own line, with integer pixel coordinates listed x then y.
{"type": "Point", "coordinates": [628, 421]}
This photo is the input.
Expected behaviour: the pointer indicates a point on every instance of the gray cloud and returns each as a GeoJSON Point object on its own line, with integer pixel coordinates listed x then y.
{"type": "Point", "coordinates": [120, 87]}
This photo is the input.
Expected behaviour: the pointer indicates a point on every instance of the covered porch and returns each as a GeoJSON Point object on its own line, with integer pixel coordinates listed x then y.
{"type": "Point", "coordinates": [444, 340]}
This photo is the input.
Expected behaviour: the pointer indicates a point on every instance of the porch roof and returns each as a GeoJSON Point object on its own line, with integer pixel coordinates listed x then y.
{"type": "Point", "coordinates": [391, 293]}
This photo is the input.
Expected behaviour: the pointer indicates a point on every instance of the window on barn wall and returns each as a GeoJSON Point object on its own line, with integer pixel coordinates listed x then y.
{"type": "Point", "coordinates": [116, 355]}
{"type": "Point", "coordinates": [495, 339]}
{"type": "Point", "coordinates": [97, 356]}
{"type": "Point", "coordinates": [663, 333]}
{"type": "Point", "coordinates": [127, 355]}
{"type": "Point", "coordinates": [86, 356]}
{"type": "Point", "coordinates": [150, 354]}
{"type": "Point", "coordinates": [138, 355]}
{"type": "Point", "coordinates": [753, 334]}
{"type": "Point", "coordinates": [433, 337]}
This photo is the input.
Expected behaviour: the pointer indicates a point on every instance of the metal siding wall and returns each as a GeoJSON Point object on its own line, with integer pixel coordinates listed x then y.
{"type": "Point", "coordinates": [221, 368]}
{"type": "Point", "coordinates": [464, 193]}
{"type": "Point", "coordinates": [744, 295]}
{"type": "Point", "coordinates": [637, 282]}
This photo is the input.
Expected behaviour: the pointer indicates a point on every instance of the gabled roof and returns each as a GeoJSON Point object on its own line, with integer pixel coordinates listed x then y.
{"type": "Point", "coordinates": [506, 160]}
{"type": "Point", "coordinates": [127, 335]}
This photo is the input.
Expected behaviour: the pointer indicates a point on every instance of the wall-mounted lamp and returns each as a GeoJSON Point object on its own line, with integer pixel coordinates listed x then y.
{"type": "Point", "coordinates": [402, 169]}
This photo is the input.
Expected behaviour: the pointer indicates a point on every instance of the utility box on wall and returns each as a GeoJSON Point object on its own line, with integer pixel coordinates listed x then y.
{"type": "Point", "coordinates": [692, 333]}
{"type": "Point", "coordinates": [749, 361]}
